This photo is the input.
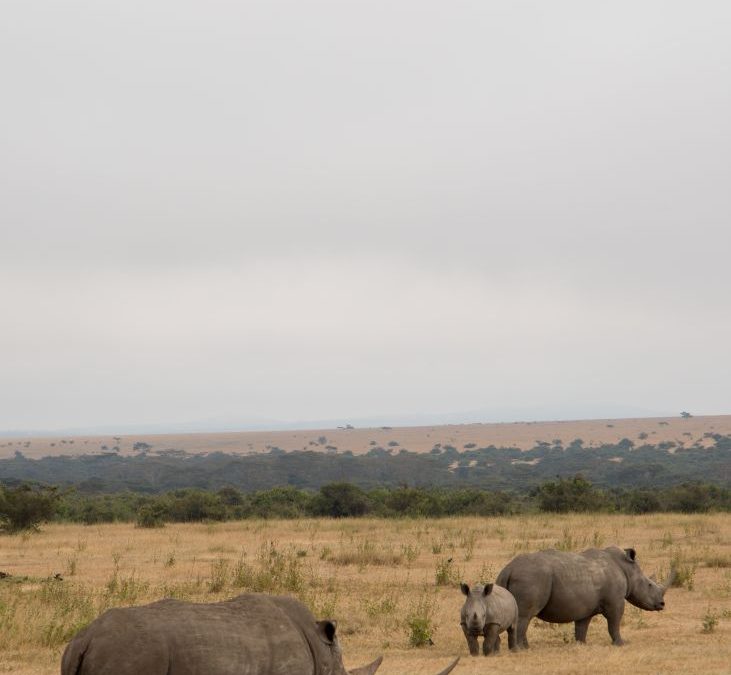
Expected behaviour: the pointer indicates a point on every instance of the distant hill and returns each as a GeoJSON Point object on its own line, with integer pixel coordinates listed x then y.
{"type": "Point", "coordinates": [692, 432]}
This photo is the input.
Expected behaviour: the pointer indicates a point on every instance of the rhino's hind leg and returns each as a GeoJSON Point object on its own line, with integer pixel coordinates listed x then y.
{"type": "Point", "coordinates": [523, 622]}
{"type": "Point", "coordinates": [512, 642]}
{"type": "Point", "coordinates": [581, 627]}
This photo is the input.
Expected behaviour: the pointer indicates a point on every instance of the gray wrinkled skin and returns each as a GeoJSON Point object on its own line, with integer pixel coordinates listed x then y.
{"type": "Point", "coordinates": [253, 634]}
{"type": "Point", "coordinates": [488, 611]}
{"type": "Point", "coordinates": [562, 587]}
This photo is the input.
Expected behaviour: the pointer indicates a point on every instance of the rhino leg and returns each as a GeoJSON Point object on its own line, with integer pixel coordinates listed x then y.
{"type": "Point", "coordinates": [523, 622]}
{"type": "Point", "coordinates": [491, 644]}
{"type": "Point", "coordinates": [472, 643]}
{"type": "Point", "coordinates": [580, 629]}
{"type": "Point", "coordinates": [613, 615]}
{"type": "Point", "coordinates": [512, 643]}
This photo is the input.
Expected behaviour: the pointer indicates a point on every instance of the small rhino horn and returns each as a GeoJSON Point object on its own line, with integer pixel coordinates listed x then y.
{"type": "Point", "coordinates": [449, 668]}
{"type": "Point", "coordinates": [369, 669]}
{"type": "Point", "coordinates": [671, 578]}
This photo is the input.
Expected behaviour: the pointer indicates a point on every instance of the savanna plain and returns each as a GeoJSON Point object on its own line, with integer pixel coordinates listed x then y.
{"type": "Point", "coordinates": [390, 584]}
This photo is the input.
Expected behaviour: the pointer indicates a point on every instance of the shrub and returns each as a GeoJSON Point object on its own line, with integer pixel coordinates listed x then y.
{"type": "Point", "coordinates": [446, 574]}
{"type": "Point", "coordinates": [570, 494]}
{"type": "Point", "coordinates": [642, 501]}
{"type": "Point", "coordinates": [194, 506]}
{"type": "Point", "coordinates": [420, 622]}
{"type": "Point", "coordinates": [151, 515]}
{"type": "Point", "coordinates": [280, 502]}
{"type": "Point", "coordinates": [339, 500]}
{"type": "Point", "coordinates": [26, 506]}
{"type": "Point", "coordinates": [710, 621]}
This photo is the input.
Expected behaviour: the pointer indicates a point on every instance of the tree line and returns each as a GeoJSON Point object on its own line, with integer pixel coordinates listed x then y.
{"type": "Point", "coordinates": [25, 506]}
{"type": "Point", "coordinates": [618, 465]}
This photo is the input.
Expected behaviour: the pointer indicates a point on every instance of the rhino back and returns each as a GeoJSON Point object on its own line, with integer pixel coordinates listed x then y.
{"type": "Point", "coordinates": [558, 586]}
{"type": "Point", "coordinates": [249, 634]}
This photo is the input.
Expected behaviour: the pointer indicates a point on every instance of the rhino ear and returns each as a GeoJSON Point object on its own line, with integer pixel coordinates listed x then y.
{"type": "Point", "coordinates": [465, 588]}
{"type": "Point", "coordinates": [631, 554]}
{"type": "Point", "coordinates": [327, 629]}
{"type": "Point", "coordinates": [487, 590]}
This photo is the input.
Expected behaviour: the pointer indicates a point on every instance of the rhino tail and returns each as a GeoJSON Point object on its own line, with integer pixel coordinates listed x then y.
{"type": "Point", "coordinates": [73, 656]}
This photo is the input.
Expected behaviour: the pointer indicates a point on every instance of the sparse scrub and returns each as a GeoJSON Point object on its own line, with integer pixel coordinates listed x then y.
{"type": "Point", "coordinates": [684, 572]}
{"type": "Point", "coordinates": [219, 575]}
{"type": "Point", "coordinates": [717, 560]}
{"type": "Point", "coordinates": [710, 621]}
{"type": "Point", "coordinates": [568, 542]}
{"type": "Point", "coordinates": [383, 605]}
{"type": "Point", "coordinates": [420, 621]}
{"type": "Point", "coordinates": [367, 553]}
{"type": "Point", "coordinates": [446, 573]}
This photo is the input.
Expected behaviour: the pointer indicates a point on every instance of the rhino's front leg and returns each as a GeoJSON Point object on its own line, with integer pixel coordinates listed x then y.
{"type": "Point", "coordinates": [491, 644]}
{"type": "Point", "coordinates": [580, 629]}
{"type": "Point", "coordinates": [472, 643]}
{"type": "Point", "coordinates": [613, 614]}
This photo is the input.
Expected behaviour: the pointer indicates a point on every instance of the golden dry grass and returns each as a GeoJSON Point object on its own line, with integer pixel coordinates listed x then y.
{"type": "Point", "coordinates": [524, 435]}
{"type": "Point", "coordinates": [370, 575]}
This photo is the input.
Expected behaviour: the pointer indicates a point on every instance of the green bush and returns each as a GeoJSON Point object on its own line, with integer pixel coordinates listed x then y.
{"type": "Point", "coordinates": [26, 506]}
{"type": "Point", "coordinates": [570, 494]}
{"type": "Point", "coordinates": [151, 515]}
{"type": "Point", "coordinates": [340, 500]}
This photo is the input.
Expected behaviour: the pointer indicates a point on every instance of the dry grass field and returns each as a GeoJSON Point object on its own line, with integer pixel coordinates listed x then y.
{"type": "Point", "coordinates": [524, 435]}
{"type": "Point", "coordinates": [382, 580]}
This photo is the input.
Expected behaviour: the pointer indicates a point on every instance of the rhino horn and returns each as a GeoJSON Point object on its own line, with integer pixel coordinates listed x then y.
{"type": "Point", "coordinates": [369, 669]}
{"type": "Point", "coordinates": [669, 581]}
{"type": "Point", "coordinates": [449, 668]}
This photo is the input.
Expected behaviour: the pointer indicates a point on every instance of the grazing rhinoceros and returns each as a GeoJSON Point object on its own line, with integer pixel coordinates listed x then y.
{"type": "Point", "coordinates": [254, 634]}
{"type": "Point", "coordinates": [488, 610]}
{"type": "Point", "coordinates": [563, 587]}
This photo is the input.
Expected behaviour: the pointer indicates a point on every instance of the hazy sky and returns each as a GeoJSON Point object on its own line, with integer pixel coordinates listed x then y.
{"type": "Point", "coordinates": [299, 210]}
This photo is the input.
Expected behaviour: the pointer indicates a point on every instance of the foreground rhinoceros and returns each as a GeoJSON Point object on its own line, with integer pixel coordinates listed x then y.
{"type": "Point", "coordinates": [253, 634]}
{"type": "Point", "coordinates": [488, 610]}
{"type": "Point", "coordinates": [562, 587]}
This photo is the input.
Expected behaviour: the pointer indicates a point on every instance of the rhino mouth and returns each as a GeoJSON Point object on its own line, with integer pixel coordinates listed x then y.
{"type": "Point", "coordinates": [474, 631]}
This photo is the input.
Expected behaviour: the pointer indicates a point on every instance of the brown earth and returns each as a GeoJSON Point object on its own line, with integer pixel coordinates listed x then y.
{"type": "Point", "coordinates": [685, 432]}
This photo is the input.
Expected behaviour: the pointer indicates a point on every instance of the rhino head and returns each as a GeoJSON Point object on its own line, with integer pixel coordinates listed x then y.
{"type": "Point", "coordinates": [643, 592]}
{"type": "Point", "coordinates": [473, 615]}
{"type": "Point", "coordinates": [326, 631]}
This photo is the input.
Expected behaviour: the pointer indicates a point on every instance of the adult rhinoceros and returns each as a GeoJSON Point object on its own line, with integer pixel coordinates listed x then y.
{"type": "Point", "coordinates": [253, 634]}
{"type": "Point", "coordinates": [562, 587]}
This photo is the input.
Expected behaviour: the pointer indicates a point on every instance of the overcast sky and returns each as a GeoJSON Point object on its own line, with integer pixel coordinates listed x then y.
{"type": "Point", "coordinates": [228, 211]}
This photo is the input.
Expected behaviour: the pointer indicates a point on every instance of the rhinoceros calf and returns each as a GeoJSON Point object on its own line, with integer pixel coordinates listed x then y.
{"type": "Point", "coordinates": [488, 611]}
{"type": "Point", "coordinates": [563, 587]}
{"type": "Point", "coordinates": [254, 634]}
